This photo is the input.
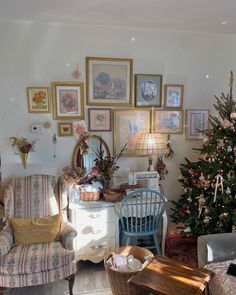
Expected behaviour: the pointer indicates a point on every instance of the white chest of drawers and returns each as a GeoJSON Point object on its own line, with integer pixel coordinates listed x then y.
{"type": "Point", "coordinates": [98, 229]}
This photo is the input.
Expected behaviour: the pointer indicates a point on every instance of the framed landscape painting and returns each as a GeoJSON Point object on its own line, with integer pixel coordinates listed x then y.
{"type": "Point", "coordinates": [148, 90]}
{"type": "Point", "coordinates": [128, 124]}
{"type": "Point", "coordinates": [173, 96]}
{"type": "Point", "coordinates": [38, 99]}
{"type": "Point", "coordinates": [68, 100]}
{"type": "Point", "coordinates": [196, 121]}
{"type": "Point", "coordinates": [109, 81]}
{"type": "Point", "coordinates": [99, 119]}
{"type": "Point", "coordinates": [170, 121]}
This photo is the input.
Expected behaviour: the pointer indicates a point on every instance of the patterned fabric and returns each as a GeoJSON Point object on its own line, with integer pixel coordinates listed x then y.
{"type": "Point", "coordinates": [222, 283]}
{"type": "Point", "coordinates": [68, 235]}
{"type": "Point", "coordinates": [35, 196]}
{"type": "Point", "coordinates": [31, 258]}
{"type": "Point", "coordinates": [6, 240]}
{"type": "Point", "coordinates": [38, 278]}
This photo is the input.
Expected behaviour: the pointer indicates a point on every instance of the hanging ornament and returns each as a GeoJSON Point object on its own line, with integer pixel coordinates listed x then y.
{"type": "Point", "coordinates": [229, 149]}
{"type": "Point", "coordinates": [205, 139]}
{"type": "Point", "coordinates": [228, 191]}
{"type": "Point", "coordinates": [233, 115]}
{"type": "Point", "coordinates": [77, 74]}
{"type": "Point", "coordinates": [190, 199]}
{"type": "Point", "coordinates": [201, 202]}
{"type": "Point", "coordinates": [219, 182]}
{"type": "Point", "coordinates": [170, 152]}
{"type": "Point", "coordinates": [202, 178]}
{"type": "Point", "coordinates": [220, 143]}
{"type": "Point", "coordinates": [54, 141]}
{"type": "Point", "coordinates": [230, 175]}
{"type": "Point", "coordinates": [223, 215]}
{"type": "Point", "coordinates": [206, 219]}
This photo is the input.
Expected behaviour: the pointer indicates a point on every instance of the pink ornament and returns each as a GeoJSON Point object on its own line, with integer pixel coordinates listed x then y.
{"type": "Point", "coordinates": [233, 115]}
{"type": "Point", "coordinates": [226, 123]}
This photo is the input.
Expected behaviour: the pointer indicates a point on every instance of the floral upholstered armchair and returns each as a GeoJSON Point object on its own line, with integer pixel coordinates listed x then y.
{"type": "Point", "coordinates": [22, 265]}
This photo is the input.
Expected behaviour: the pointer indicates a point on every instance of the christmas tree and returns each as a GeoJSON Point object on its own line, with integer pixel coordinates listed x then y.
{"type": "Point", "coordinates": [208, 204]}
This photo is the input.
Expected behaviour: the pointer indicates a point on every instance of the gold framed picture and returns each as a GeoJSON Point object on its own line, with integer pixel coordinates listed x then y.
{"type": "Point", "coordinates": [38, 99]}
{"type": "Point", "coordinates": [68, 100]}
{"type": "Point", "coordinates": [168, 121]}
{"type": "Point", "coordinates": [174, 95]}
{"type": "Point", "coordinates": [197, 120]}
{"type": "Point", "coordinates": [109, 81]}
{"type": "Point", "coordinates": [65, 129]}
{"type": "Point", "coordinates": [128, 124]}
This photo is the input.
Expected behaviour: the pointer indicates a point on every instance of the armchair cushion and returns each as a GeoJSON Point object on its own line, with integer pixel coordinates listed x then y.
{"type": "Point", "coordinates": [6, 240]}
{"type": "Point", "coordinates": [68, 234]}
{"type": "Point", "coordinates": [36, 230]}
{"type": "Point", "coordinates": [35, 258]}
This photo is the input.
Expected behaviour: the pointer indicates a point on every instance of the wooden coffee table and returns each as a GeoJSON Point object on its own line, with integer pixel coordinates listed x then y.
{"type": "Point", "coordinates": [165, 276]}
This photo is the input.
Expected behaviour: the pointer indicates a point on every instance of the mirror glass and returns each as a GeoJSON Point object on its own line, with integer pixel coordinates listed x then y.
{"type": "Point", "coordinates": [85, 151]}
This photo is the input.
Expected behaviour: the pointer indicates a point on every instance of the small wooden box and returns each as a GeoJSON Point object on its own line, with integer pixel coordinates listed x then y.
{"type": "Point", "coordinates": [89, 196]}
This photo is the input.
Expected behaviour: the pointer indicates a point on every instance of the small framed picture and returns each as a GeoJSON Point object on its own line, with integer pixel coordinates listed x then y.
{"type": "Point", "coordinates": [173, 96]}
{"type": "Point", "coordinates": [148, 90]}
{"type": "Point", "coordinates": [109, 81]}
{"type": "Point", "coordinates": [99, 119]}
{"type": "Point", "coordinates": [196, 122]}
{"type": "Point", "coordinates": [170, 121]}
{"type": "Point", "coordinates": [68, 100]}
{"type": "Point", "coordinates": [38, 99]}
{"type": "Point", "coordinates": [65, 129]}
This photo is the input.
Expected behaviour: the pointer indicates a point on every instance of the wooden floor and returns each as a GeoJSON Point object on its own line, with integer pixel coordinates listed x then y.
{"type": "Point", "coordinates": [90, 279]}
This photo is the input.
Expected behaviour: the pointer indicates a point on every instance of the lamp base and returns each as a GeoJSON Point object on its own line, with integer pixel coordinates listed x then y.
{"type": "Point", "coordinates": [150, 166]}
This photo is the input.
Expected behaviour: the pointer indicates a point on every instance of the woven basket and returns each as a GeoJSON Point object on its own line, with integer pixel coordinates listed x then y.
{"type": "Point", "coordinates": [113, 195]}
{"type": "Point", "coordinates": [89, 196]}
{"type": "Point", "coordinates": [118, 280]}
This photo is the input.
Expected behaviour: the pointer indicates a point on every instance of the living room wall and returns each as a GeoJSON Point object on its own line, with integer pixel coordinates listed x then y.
{"type": "Point", "coordinates": [33, 54]}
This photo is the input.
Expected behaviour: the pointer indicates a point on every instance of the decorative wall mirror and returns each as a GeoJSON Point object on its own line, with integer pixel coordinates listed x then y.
{"type": "Point", "coordinates": [86, 160]}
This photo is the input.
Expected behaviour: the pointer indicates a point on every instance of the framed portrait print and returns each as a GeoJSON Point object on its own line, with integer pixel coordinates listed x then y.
{"type": "Point", "coordinates": [68, 100]}
{"type": "Point", "coordinates": [128, 124]}
{"type": "Point", "coordinates": [99, 119]}
{"type": "Point", "coordinates": [168, 121]}
{"type": "Point", "coordinates": [38, 99]}
{"type": "Point", "coordinates": [65, 129]}
{"type": "Point", "coordinates": [148, 90]}
{"type": "Point", "coordinates": [196, 121]}
{"type": "Point", "coordinates": [109, 81]}
{"type": "Point", "coordinates": [173, 96]}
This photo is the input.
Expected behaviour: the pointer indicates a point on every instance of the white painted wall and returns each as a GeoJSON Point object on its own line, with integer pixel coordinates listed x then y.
{"type": "Point", "coordinates": [36, 55]}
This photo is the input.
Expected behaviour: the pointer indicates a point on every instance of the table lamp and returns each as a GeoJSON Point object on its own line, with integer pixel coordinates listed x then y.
{"type": "Point", "coordinates": [149, 144]}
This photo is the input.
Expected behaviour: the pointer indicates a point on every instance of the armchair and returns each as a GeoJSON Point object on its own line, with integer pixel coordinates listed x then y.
{"type": "Point", "coordinates": [23, 265]}
{"type": "Point", "coordinates": [216, 252]}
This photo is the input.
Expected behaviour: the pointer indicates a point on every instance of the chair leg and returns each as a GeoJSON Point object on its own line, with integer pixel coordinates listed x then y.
{"type": "Point", "coordinates": [156, 241]}
{"type": "Point", "coordinates": [128, 241]}
{"type": "Point", "coordinates": [71, 280]}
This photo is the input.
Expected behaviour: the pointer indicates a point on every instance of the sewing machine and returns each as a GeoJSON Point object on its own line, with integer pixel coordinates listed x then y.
{"type": "Point", "coordinates": [150, 177]}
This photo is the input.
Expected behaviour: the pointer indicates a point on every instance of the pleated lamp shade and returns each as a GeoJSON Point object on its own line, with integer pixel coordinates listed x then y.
{"type": "Point", "coordinates": [149, 144]}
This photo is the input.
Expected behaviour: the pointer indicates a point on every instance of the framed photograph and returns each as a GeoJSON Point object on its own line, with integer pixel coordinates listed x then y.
{"type": "Point", "coordinates": [170, 121]}
{"type": "Point", "coordinates": [148, 90]}
{"type": "Point", "coordinates": [173, 96]}
{"type": "Point", "coordinates": [99, 119]}
{"type": "Point", "coordinates": [196, 121]}
{"type": "Point", "coordinates": [128, 124]}
{"type": "Point", "coordinates": [65, 129]}
{"type": "Point", "coordinates": [109, 81]}
{"type": "Point", "coordinates": [68, 100]}
{"type": "Point", "coordinates": [38, 99]}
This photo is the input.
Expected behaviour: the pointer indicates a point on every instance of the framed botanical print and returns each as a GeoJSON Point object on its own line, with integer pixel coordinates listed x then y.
{"type": "Point", "coordinates": [99, 119]}
{"type": "Point", "coordinates": [148, 90]}
{"type": "Point", "coordinates": [68, 100]}
{"type": "Point", "coordinates": [38, 99]}
{"type": "Point", "coordinates": [65, 129]}
{"type": "Point", "coordinates": [168, 121]}
{"type": "Point", "coordinates": [109, 81]}
{"type": "Point", "coordinates": [128, 124]}
{"type": "Point", "coordinates": [196, 122]}
{"type": "Point", "coordinates": [173, 96]}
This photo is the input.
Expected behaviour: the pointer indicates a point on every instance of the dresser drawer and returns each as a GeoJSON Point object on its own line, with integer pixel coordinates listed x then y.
{"type": "Point", "coordinates": [96, 231]}
{"type": "Point", "coordinates": [101, 247]}
{"type": "Point", "coordinates": [92, 215]}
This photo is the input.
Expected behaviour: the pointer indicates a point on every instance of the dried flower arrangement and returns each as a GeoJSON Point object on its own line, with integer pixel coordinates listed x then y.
{"type": "Point", "coordinates": [73, 176]}
{"type": "Point", "coordinates": [24, 145]}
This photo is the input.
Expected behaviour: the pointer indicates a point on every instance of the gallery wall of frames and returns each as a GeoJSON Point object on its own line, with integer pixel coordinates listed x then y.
{"type": "Point", "coordinates": [118, 101]}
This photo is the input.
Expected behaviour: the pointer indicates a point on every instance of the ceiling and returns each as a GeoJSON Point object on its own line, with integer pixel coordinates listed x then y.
{"type": "Point", "coordinates": [178, 15]}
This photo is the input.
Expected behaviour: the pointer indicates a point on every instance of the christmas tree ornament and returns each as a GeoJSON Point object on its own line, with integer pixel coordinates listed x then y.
{"type": "Point", "coordinates": [205, 139]}
{"type": "Point", "coordinates": [219, 183]}
{"type": "Point", "coordinates": [233, 115]}
{"type": "Point", "coordinates": [228, 191]}
{"type": "Point", "coordinates": [206, 219]}
{"type": "Point", "coordinates": [201, 202]}
{"type": "Point", "coordinates": [229, 149]}
{"type": "Point", "coordinates": [226, 123]}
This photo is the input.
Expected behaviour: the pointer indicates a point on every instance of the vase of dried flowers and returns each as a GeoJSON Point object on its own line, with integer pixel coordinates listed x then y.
{"type": "Point", "coordinates": [105, 167]}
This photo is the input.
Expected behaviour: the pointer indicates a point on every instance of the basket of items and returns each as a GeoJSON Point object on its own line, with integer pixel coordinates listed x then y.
{"type": "Point", "coordinates": [89, 192]}
{"type": "Point", "coordinates": [122, 265]}
{"type": "Point", "coordinates": [113, 195]}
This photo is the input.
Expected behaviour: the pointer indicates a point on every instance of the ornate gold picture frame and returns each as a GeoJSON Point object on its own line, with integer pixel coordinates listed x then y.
{"type": "Point", "coordinates": [39, 99]}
